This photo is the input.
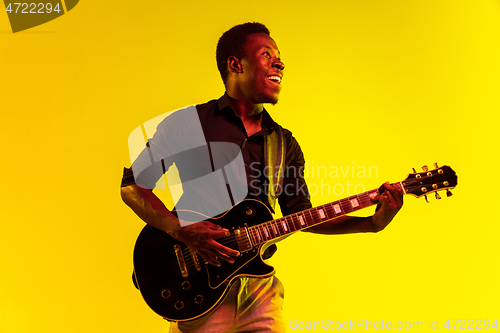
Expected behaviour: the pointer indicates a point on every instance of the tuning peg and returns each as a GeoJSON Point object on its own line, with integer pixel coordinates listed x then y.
{"type": "Point", "coordinates": [425, 168]}
{"type": "Point", "coordinates": [436, 165]}
{"type": "Point", "coordinates": [448, 193]}
{"type": "Point", "coordinates": [438, 196]}
{"type": "Point", "coordinates": [425, 196]}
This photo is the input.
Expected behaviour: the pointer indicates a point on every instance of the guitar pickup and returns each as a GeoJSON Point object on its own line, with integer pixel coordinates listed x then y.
{"type": "Point", "coordinates": [196, 263]}
{"type": "Point", "coordinates": [180, 260]}
{"type": "Point", "coordinates": [243, 239]}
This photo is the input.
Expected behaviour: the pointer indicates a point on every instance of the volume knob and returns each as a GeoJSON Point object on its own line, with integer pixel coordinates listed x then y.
{"type": "Point", "coordinates": [165, 293]}
{"type": "Point", "coordinates": [186, 285]}
{"type": "Point", "coordinates": [179, 305]}
{"type": "Point", "coordinates": [199, 299]}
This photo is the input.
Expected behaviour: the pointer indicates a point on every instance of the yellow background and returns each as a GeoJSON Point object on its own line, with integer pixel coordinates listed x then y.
{"type": "Point", "coordinates": [391, 84]}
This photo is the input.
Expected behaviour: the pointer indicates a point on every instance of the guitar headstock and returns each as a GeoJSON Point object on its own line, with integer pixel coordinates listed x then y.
{"type": "Point", "coordinates": [422, 183]}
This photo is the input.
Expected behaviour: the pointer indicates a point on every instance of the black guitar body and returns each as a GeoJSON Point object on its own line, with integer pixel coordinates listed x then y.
{"type": "Point", "coordinates": [181, 295]}
{"type": "Point", "coordinates": [180, 288]}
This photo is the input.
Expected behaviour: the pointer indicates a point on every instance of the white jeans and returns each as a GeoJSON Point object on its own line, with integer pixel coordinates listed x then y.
{"type": "Point", "coordinates": [252, 305]}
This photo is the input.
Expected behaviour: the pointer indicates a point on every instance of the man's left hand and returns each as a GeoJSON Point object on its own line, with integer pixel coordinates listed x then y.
{"type": "Point", "coordinates": [390, 202]}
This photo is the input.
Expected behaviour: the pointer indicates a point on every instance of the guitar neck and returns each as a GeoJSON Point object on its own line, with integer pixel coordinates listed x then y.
{"type": "Point", "coordinates": [271, 230]}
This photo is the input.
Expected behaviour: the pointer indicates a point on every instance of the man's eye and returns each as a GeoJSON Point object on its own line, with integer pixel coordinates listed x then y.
{"type": "Point", "coordinates": [267, 54]}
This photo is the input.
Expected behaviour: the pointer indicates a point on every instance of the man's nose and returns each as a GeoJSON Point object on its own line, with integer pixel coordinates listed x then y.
{"type": "Point", "coordinates": [279, 64]}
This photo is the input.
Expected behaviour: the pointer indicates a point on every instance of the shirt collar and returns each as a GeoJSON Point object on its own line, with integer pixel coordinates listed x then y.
{"type": "Point", "coordinates": [268, 124]}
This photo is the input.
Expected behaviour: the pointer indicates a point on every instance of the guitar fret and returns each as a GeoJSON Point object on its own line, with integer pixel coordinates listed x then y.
{"type": "Point", "coordinates": [285, 227]}
{"type": "Point", "coordinates": [273, 227]}
{"type": "Point", "coordinates": [337, 208]}
{"type": "Point", "coordinates": [267, 231]}
{"type": "Point", "coordinates": [285, 224]}
{"type": "Point", "coordinates": [296, 221]}
{"type": "Point", "coordinates": [364, 200]}
{"type": "Point", "coordinates": [279, 226]}
{"type": "Point", "coordinates": [314, 215]}
{"type": "Point", "coordinates": [257, 233]}
{"type": "Point", "coordinates": [331, 210]}
{"type": "Point", "coordinates": [301, 220]}
{"type": "Point", "coordinates": [354, 203]}
{"type": "Point", "coordinates": [250, 234]}
{"type": "Point", "coordinates": [321, 212]}
{"type": "Point", "coordinates": [346, 206]}
{"type": "Point", "coordinates": [290, 223]}
{"type": "Point", "coordinates": [261, 232]}
{"type": "Point", "coordinates": [264, 232]}
{"type": "Point", "coordinates": [310, 221]}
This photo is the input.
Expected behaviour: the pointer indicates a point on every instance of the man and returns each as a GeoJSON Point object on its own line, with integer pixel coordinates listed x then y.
{"type": "Point", "coordinates": [250, 66]}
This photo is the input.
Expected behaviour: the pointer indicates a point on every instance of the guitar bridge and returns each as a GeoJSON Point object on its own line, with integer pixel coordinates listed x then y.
{"type": "Point", "coordinates": [243, 239]}
{"type": "Point", "coordinates": [180, 260]}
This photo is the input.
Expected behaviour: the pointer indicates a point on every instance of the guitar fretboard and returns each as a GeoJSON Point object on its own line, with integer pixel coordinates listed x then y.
{"type": "Point", "coordinates": [270, 230]}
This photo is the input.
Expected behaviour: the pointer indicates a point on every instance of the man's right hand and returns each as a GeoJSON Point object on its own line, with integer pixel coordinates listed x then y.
{"type": "Point", "coordinates": [201, 238]}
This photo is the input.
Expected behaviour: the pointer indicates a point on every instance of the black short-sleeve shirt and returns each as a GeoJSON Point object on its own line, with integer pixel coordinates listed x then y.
{"type": "Point", "coordinates": [218, 123]}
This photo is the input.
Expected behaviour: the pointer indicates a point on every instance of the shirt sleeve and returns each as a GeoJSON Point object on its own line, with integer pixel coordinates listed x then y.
{"type": "Point", "coordinates": [128, 177]}
{"type": "Point", "coordinates": [178, 132]}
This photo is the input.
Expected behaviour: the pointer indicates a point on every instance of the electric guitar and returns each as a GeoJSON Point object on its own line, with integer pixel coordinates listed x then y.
{"type": "Point", "coordinates": [179, 286]}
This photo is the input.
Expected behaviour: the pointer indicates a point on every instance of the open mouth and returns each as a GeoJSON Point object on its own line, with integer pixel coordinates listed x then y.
{"type": "Point", "coordinates": [274, 78]}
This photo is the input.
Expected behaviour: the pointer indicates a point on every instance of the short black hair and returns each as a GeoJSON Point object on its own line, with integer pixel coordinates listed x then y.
{"type": "Point", "coordinates": [232, 43]}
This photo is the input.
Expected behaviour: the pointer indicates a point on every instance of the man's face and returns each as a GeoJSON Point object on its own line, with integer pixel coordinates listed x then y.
{"type": "Point", "coordinates": [262, 69]}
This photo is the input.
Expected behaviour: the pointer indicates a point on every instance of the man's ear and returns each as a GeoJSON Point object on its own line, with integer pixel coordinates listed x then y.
{"type": "Point", "coordinates": [234, 64]}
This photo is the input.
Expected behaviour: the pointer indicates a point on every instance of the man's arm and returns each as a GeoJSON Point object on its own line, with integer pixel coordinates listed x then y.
{"type": "Point", "coordinates": [390, 202]}
{"type": "Point", "coordinates": [200, 237]}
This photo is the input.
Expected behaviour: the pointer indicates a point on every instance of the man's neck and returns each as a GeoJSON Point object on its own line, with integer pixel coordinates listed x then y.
{"type": "Point", "coordinates": [249, 113]}
{"type": "Point", "coordinates": [245, 109]}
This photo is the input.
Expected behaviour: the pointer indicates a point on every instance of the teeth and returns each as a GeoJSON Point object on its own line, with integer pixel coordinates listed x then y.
{"type": "Point", "coordinates": [274, 78]}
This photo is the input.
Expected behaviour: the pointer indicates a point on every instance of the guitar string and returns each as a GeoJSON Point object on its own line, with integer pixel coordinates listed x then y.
{"type": "Point", "coordinates": [188, 258]}
{"type": "Point", "coordinates": [276, 223]}
{"type": "Point", "coordinates": [289, 221]}
{"type": "Point", "coordinates": [231, 241]}
{"type": "Point", "coordinates": [293, 220]}
{"type": "Point", "coordinates": [228, 241]}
